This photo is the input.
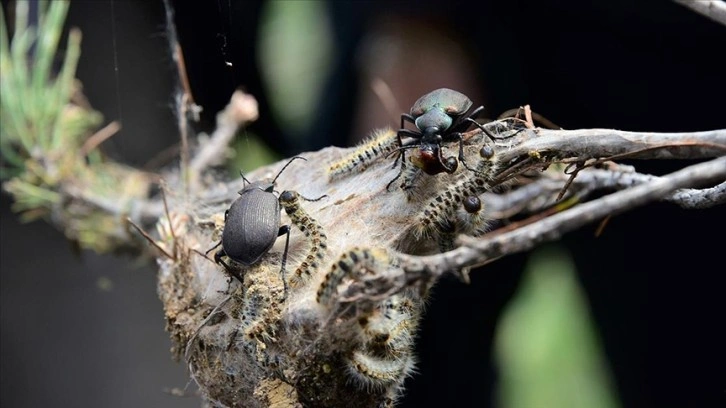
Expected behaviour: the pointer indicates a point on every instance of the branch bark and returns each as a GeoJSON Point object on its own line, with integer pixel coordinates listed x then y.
{"type": "Point", "coordinates": [585, 144]}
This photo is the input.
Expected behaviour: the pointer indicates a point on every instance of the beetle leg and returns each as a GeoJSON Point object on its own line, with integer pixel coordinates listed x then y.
{"type": "Point", "coordinates": [405, 117]}
{"type": "Point", "coordinates": [215, 246]}
{"type": "Point", "coordinates": [466, 122]}
{"type": "Point", "coordinates": [401, 146]}
{"type": "Point", "coordinates": [388, 186]}
{"type": "Point", "coordinates": [402, 154]}
{"type": "Point", "coordinates": [508, 130]}
{"type": "Point", "coordinates": [486, 131]}
{"type": "Point", "coordinates": [461, 150]}
{"type": "Point", "coordinates": [448, 165]}
{"type": "Point", "coordinates": [463, 123]}
{"type": "Point", "coordinates": [489, 133]}
{"type": "Point", "coordinates": [400, 171]}
{"type": "Point", "coordinates": [218, 259]}
{"type": "Point", "coordinates": [410, 175]}
{"type": "Point", "coordinates": [407, 132]}
{"type": "Point", "coordinates": [475, 112]}
{"type": "Point", "coordinates": [285, 229]}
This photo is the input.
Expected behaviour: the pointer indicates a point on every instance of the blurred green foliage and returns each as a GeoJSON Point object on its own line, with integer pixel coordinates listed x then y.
{"type": "Point", "coordinates": [37, 121]}
{"type": "Point", "coordinates": [547, 348]}
{"type": "Point", "coordinates": [252, 153]}
{"type": "Point", "coordinates": [48, 164]}
{"type": "Point", "coordinates": [295, 53]}
{"type": "Point", "coordinates": [41, 131]}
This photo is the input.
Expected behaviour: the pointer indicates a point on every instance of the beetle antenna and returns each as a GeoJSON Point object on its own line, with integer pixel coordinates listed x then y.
{"type": "Point", "coordinates": [288, 163]}
{"type": "Point", "coordinates": [244, 178]}
{"type": "Point", "coordinates": [398, 149]}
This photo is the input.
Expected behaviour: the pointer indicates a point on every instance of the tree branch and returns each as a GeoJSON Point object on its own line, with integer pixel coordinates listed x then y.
{"type": "Point", "coordinates": [713, 9]}
{"type": "Point", "coordinates": [542, 193]}
{"type": "Point", "coordinates": [475, 251]}
{"type": "Point", "coordinates": [585, 144]}
{"type": "Point", "coordinates": [241, 110]}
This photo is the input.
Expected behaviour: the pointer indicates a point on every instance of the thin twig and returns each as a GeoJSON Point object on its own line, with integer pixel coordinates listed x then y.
{"type": "Point", "coordinates": [693, 199]}
{"type": "Point", "coordinates": [148, 238]}
{"type": "Point", "coordinates": [99, 137]}
{"type": "Point", "coordinates": [242, 109]}
{"type": "Point", "coordinates": [714, 9]}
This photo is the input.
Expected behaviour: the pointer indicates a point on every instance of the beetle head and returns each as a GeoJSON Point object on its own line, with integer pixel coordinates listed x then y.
{"type": "Point", "coordinates": [431, 135]}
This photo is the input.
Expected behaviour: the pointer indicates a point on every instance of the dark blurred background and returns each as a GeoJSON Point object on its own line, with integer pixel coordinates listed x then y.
{"type": "Point", "coordinates": [87, 331]}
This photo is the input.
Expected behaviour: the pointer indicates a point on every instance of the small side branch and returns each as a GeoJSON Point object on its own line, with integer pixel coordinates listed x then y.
{"type": "Point", "coordinates": [714, 9]}
{"type": "Point", "coordinates": [541, 193]}
{"type": "Point", "coordinates": [242, 109]}
{"type": "Point", "coordinates": [693, 199]}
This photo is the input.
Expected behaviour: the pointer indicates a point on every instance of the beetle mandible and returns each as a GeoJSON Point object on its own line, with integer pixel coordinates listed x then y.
{"type": "Point", "coordinates": [252, 225]}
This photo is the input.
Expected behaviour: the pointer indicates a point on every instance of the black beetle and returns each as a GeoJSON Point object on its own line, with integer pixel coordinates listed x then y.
{"type": "Point", "coordinates": [252, 225]}
{"type": "Point", "coordinates": [440, 116]}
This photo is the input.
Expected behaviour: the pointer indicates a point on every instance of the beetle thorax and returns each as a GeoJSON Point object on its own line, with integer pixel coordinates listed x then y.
{"type": "Point", "coordinates": [434, 121]}
{"type": "Point", "coordinates": [258, 185]}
